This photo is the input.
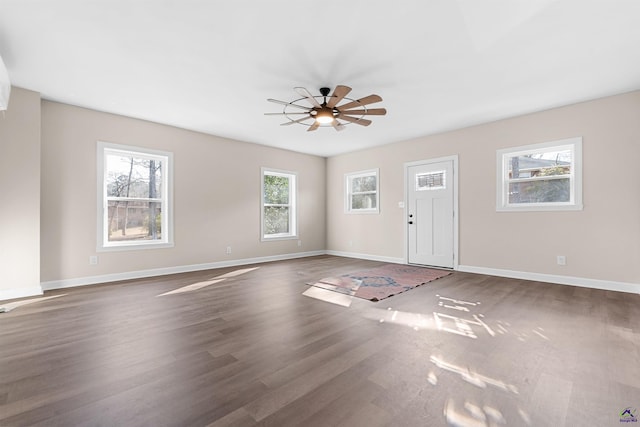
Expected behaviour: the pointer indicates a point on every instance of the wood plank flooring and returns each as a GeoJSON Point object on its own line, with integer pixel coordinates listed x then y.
{"type": "Point", "coordinates": [248, 349]}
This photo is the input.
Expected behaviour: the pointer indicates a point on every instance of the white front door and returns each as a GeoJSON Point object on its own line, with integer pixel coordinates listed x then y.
{"type": "Point", "coordinates": [430, 214]}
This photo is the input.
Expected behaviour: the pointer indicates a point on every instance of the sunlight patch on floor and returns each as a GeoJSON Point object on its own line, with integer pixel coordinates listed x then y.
{"type": "Point", "coordinates": [415, 321]}
{"type": "Point", "coordinates": [339, 289]}
{"type": "Point", "coordinates": [540, 334]}
{"type": "Point", "coordinates": [458, 325]}
{"type": "Point", "coordinates": [472, 377]}
{"type": "Point", "coordinates": [459, 304]}
{"type": "Point", "coordinates": [328, 296]}
{"type": "Point", "coordinates": [212, 281]}
{"type": "Point", "coordinates": [471, 415]}
{"type": "Point", "coordinates": [193, 287]}
{"type": "Point", "coordinates": [525, 416]}
{"type": "Point", "coordinates": [235, 273]}
{"type": "Point", "coordinates": [455, 325]}
{"type": "Point", "coordinates": [4, 308]}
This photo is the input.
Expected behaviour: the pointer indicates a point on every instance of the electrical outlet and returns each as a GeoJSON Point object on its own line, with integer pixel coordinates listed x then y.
{"type": "Point", "coordinates": [228, 250]}
{"type": "Point", "coordinates": [562, 260]}
{"type": "Point", "coordinates": [299, 242]}
{"type": "Point", "coordinates": [93, 260]}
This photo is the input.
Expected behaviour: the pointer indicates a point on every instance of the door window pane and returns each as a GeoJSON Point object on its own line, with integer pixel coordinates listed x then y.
{"type": "Point", "coordinates": [430, 181]}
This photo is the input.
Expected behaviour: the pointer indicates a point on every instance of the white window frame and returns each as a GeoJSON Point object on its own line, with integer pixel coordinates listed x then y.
{"type": "Point", "coordinates": [166, 198]}
{"type": "Point", "coordinates": [348, 179]}
{"type": "Point", "coordinates": [293, 204]}
{"type": "Point", "coordinates": [575, 177]}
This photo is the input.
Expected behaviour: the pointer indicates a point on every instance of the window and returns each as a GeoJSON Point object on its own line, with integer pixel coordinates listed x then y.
{"type": "Point", "coordinates": [544, 176]}
{"type": "Point", "coordinates": [278, 204]}
{"type": "Point", "coordinates": [134, 191]}
{"type": "Point", "coordinates": [431, 181]}
{"type": "Point", "coordinates": [361, 194]}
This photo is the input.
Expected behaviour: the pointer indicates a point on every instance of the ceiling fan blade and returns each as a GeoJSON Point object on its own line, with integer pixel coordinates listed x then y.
{"type": "Point", "coordinates": [285, 114]}
{"type": "Point", "coordinates": [289, 103]}
{"type": "Point", "coordinates": [313, 127]}
{"type": "Point", "coordinates": [290, 122]}
{"type": "Point", "coordinates": [360, 102]}
{"type": "Point", "coordinates": [304, 92]}
{"type": "Point", "coordinates": [338, 94]}
{"type": "Point", "coordinates": [337, 125]}
{"type": "Point", "coordinates": [363, 122]}
{"type": "Point", "coordinates": [370, 112]}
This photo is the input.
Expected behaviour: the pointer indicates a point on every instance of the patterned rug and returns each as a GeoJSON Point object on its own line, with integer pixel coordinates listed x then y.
{"type": "Point", "coordinates": [381, 282]}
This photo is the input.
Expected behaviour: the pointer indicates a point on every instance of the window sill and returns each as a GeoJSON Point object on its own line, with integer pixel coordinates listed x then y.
{"type": "Point", "coordinates": [279, 237]}
{"type": "Point", "coordinates": [362, 211]}
{"type": "Point", "coordinates": [135, 247]}
{"type": "Point", "coordinates": [538, 208]}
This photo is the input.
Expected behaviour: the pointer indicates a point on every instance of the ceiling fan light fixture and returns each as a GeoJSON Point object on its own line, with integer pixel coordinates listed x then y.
{"type": "Point", "coordinates": [324, 116]}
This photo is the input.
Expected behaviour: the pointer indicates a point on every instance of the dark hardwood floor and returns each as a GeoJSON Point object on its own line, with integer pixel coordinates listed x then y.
{"type": "Point", "coordinates": [249, 349]}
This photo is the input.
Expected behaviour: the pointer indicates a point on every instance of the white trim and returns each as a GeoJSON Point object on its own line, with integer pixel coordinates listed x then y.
{"type": "Point", "coordinates": [583, 282]}
{"type": "Point", "coordinates": [575, 178]}
{"type": "Point", "coordinates": [539, 277]}
{"type": "Point", "coordinates": [348, 178]}
{"type": "Point", "coordinates": [456, 221]}
{"type": "Point", "coordinates": [20, 292]}
{"type": "Point", "coordinates": [115, 277]}
{"type": "Point", "coordinates": [380, 258]}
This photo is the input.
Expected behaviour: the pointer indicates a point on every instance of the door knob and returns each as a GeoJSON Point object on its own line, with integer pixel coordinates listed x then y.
{"type": "Point", "coordinates": [410, 222]}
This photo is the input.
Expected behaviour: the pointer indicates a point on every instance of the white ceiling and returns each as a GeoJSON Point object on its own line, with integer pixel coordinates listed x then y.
{"type": "Point", "coordinates": [210, 65]}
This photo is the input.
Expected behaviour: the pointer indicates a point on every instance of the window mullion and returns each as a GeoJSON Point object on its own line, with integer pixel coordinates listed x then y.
{"type": "Point", "coordinates": [539, 178]}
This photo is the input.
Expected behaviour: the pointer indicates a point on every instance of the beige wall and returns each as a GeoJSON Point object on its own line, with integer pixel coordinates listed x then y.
{"type": "Point", "coordinates": [601, 242]}
{"type": "Point", "coordinates": [216, 195]}
{"type": "Point", "coordinates": [20, 201]}
{"type": "Point", "coordinates": [49, 159]}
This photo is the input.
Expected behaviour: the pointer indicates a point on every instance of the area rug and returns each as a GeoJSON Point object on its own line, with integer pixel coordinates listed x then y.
{"type": "Point", "coordinates": [381, 282]}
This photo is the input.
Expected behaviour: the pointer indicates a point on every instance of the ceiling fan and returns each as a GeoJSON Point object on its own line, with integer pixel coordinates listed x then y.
{"type": "Point", "coordinates": [325, 109]}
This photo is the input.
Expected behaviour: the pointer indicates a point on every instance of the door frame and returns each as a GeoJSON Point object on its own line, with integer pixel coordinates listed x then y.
{"type": "Point", "coordinates": [456, 216]}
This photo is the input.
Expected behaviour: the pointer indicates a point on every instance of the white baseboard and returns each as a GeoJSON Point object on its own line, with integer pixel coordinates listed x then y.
{"type": "Point", "coordinates": [366, 256]}
{"type": "Point", "coordinates": [20, 293]}
{"type": "Point", "coordinates": [606, 285]}
{"type": "Point", "coordinates": [92, 280]}
{"type": "Point", "coordinates": [114, 277]}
